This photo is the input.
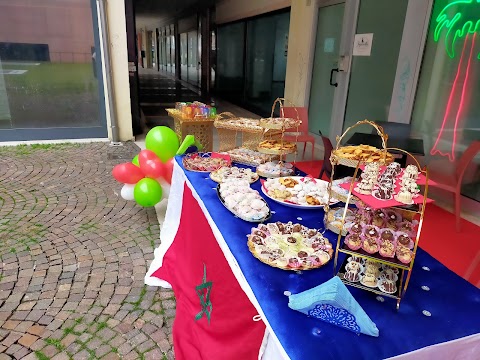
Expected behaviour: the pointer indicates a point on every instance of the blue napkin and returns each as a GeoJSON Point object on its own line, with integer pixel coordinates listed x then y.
{"type": "Point", "coordinates": [333, 303]}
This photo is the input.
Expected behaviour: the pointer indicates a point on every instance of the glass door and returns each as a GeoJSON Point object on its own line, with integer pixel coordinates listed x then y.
{"type": "Point", "coordinates": [376, 72]}
{"type": "Point", "coordinates": [350, 84]}
{"type": "Point", "coordinates": [327, 50]}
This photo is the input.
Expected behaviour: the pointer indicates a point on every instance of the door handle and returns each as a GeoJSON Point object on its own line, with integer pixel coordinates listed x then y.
{"type": "Point", "coordinates": [331, 77]}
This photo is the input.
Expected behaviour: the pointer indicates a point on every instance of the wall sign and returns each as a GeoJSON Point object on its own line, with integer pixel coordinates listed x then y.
{"type": "Point", "coordinates": [362, 45]}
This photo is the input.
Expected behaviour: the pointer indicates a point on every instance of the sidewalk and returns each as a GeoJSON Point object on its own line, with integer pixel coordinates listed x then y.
{"type": "Point", "coordinates": [73, 259]}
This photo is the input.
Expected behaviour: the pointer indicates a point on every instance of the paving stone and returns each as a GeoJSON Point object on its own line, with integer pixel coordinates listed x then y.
{"type": "Point", "coordinates": [82, 355]}
{"type": "Point", "coordinates": [61, 356]}
{"type": "Point", "coordinates": [112, 356]}
{"type": "Point", "coordinates": [11, 338]}
{"type": "Point", "coordinates": [36, 330]}
{"type": "Point", "coordinates": [27, 340]}
{"type": "Point", "coordinates": [147, 345]}
{"type": "Point", "coordinates": [13, 349]}
{"type": "Point", "coordinates": [10, 324]}
{"type": "Point", "coordinates": [106, 334]}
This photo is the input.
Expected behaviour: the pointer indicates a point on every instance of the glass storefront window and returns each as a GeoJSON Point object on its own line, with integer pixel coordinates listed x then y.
{"type": "Point", "coordinates": [230, 52]}
{"type": "Point", "coordinates": [169, 58]}
{"type": "Point", "coordinates": [172, 53]}
{"type": "Point", "coordinates": [446, 114]}
{"type": "Point", "coordinates": [251, 64]}
{"type": "Point", "coordinates": [184, 56]}
{"type": "Point", "coordinates": [267, 40]}
{"type": "Point", "coordinates": [49, 66]}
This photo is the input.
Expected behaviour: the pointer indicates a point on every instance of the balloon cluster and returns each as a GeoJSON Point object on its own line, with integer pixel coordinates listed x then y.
{"type": "Point", "coordinates": [144, 176]}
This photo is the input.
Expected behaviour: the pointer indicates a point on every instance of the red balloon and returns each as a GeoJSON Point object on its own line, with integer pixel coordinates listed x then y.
{"type": "Point", "coordinates": [152, 168]}
{"type": "Point", "coordinates": [127, 173]}
{"type": "Point", "coordinates": [168, 171]}
{"type": "Point", "coordinates": [145, 155]}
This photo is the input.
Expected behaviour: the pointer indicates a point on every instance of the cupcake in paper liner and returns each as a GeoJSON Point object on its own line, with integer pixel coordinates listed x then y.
{"type": "Point", "coordinates": [408, 227]}
{"type": "Point", "coordinates": [371, 232]}
{"type": "Point", "coordinates": [393, 219]}
{"type": "Point", "coordinates": [404, 239]}
{"type": "Point", "coordinates": [379, 218]}
{"type": "Point", "coordinates": [354, 241]}
{"type": "Point", "coordinates": [388, 247]}
{"type": "Point", "coordinates": [404, 254]}
{"type": "Point", "coordinates": [356, 228]}
{"type": "Point", "coordinates": [370, 245]}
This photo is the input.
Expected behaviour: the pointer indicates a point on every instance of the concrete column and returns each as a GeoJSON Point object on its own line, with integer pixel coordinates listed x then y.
{"type": "Point", "coordinates": [301, 49]}
{"type": "Point", "coordinates": [119, 64]}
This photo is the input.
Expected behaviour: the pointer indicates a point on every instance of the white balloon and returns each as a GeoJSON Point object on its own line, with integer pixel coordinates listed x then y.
{"type": "Point", "coordinates": [127, 192]}
{"type": "Point", "coordinates": [165, 187]}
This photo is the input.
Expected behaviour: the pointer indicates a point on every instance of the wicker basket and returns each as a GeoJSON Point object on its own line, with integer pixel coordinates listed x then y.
{"type": "Point", "coordinates": [385, 158]}
{"type": "Point", "coordinates": [200, 127]}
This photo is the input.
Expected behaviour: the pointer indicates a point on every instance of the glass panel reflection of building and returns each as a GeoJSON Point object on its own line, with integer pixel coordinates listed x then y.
{"type": "Point", "coordinates": [47, 65]}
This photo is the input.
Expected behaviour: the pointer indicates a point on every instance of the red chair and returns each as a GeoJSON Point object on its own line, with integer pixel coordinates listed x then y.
{"type": "Point", "coordinates": [304, 136]}
{"type": "Point", "coordinates": [327, 151]}
{"type": "Point", "coordinates": [452, 181]}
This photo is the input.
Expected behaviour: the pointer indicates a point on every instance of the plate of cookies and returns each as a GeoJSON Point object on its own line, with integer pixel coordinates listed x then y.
{"type": "Point", "coordinates": [298, 192]}
{"type": "Point", "coordinates": [276, 147]}
{"type": "Point", "coordinates": [289, 246]}
{"type": "Point", "coordinates": [352, 154]}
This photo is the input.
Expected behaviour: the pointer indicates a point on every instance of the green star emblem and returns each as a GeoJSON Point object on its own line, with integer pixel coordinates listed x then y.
{"type": "Point", "coordinates": [203, 291]}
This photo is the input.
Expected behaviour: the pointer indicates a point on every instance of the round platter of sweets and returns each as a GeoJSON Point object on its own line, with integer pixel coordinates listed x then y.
{"type": "Point", "coordinates": [244, 202]}
{"type": "Point", "coordinates": [226, 173]}
{"type": "Point", "coordinates": [289, 246]}
{"type": "Point", "coordinates": [203, 162]}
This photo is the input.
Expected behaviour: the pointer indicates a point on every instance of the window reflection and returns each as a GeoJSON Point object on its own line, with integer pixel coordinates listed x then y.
{"type": "Point", "coordinates": [446, 114]}
{"type": "Point", "coordinates": [48, 65]}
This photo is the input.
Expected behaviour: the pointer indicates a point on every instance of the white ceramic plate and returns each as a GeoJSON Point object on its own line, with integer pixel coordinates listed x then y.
{"type": "Point", "coordinates": [298, 206]}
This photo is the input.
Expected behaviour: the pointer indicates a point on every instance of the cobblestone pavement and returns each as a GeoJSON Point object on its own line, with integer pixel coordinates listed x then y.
{"type": "Point", "coordinates": [73, 258]}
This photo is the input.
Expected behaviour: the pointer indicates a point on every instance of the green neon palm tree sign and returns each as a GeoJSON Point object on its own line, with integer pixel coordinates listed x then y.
{"type": "Point", "coordinates": [460, 18]}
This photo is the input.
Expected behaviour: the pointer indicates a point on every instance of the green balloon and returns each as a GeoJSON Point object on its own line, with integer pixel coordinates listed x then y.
{"type": "Point", "coordinates": [135, 161]}
{"type": "Point", "coordinates": [147, 192]}
{"type": "Point", "coordinates": [163, 142]}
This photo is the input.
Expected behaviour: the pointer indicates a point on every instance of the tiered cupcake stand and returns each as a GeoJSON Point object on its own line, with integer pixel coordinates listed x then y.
{"type": "Point", "coordinates": [411, 212]}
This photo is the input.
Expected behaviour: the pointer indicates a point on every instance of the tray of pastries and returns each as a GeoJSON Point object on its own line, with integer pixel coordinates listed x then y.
{"type": "Point", "coordinates": [244, 202]}
{"type": "Point", "coordinates": [298, 192]}
{"type": "Point", "coordinates": [276, 147]}
{"type": "Point", "coordinates": [273, 169]}
{"type": "Point", "coordinates": [289, 246]}
{"type": "Point", "coordinates": [351, 155]}
{"type": "Point", "coordinates": [227, 173]}
{"type": "Point", "coordinates": [205, 162]}
{"type": "Point", "coordinates": [248, 157]}
{"type": "Point", "coordinates": [385, 232]}
{"type": "Point", "coordinates": [239, 124]}
{"type": "Point", "coordinates": [279, 123]}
